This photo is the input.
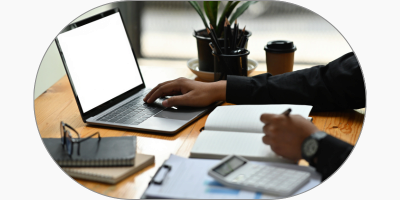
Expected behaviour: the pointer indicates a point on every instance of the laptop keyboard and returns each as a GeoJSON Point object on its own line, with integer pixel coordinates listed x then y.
{"type": "Point", "coordinates": [134, 112]}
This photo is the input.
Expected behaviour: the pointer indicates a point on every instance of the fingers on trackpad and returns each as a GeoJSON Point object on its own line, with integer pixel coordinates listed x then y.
{"type": "Point", "coordinates": [158, 102]}
{"type": "Point", "coordinates": [181, 114]}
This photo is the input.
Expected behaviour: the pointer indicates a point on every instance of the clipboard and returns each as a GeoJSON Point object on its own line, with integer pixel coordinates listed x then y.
{"type": "Point", "coordinates": [184, 178]}
{"type": "Point", "coordinates": [160, 175]}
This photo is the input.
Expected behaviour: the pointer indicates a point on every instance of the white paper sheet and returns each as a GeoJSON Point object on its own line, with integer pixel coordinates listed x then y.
{"type": "Point", "coordinates": [218, 144]}
{"type": "Point", "coordinates": [246, 118]}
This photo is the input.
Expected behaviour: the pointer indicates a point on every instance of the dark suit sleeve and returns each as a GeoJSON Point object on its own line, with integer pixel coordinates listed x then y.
{"type": "Point", "coordinates": [335, 86]}
{"type": "Point", "coordinates": [332, 152]}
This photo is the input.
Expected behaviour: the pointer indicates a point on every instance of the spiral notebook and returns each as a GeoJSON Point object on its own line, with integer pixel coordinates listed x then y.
{"type": "Point", "coordinates": [111, 175]}
{"type": "Point", "coordinates": [109, 151]}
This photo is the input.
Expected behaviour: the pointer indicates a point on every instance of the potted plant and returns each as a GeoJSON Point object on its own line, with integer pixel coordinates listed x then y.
{"type": "Point", "coordinates": [206, 60]}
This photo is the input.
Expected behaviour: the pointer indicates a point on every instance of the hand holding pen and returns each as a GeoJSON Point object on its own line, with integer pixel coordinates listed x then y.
{"type": "Point", "coordinates": [287, 112]}
{"type": "Point", "coordinates": [285, 133]}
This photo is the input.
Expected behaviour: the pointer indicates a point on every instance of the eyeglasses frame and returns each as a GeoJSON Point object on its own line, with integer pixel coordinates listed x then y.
{"type": "Point", "coordinates": [66, 134]}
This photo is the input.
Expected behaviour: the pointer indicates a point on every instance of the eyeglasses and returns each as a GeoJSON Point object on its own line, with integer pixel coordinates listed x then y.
{"type": "Point", "coordinates": [68, 141]}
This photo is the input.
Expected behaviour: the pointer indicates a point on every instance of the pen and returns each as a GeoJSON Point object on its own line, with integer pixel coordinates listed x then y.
{"type": "Point", "coordinates": [235, 31]}
{"type": "Point", "coordinates": [246, 38]}
{"type": "Point", "coordinates": [212, 31]}
{"type": "Point", "coordinates": [230, 36]}
{"type": "Point", "coordinates": [225, 38]}
{"type": "Point", "coordinates": [241, 37]}
{"type": "Point", "coordinates": [214, 40]}
{"type": "Point", "coordinates": [287, 112]}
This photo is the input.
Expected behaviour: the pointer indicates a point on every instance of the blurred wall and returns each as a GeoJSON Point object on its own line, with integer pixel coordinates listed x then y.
{"type": "Point", "coordinates": [51, 68]}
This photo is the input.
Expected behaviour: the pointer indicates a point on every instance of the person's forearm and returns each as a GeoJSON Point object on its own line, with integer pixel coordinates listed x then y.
{"type": "Point", "coordinates": [219, 90]}
{"type": "Point", "coordinates": [338, 85]}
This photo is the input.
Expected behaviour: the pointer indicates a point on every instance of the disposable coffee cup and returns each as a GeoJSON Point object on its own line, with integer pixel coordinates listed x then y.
{"type": "Point", "coordinates": [280, 56]}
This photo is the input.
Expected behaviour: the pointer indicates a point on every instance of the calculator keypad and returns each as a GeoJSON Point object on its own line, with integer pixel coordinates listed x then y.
{"type": "Point", "coordinates": [272, 179]}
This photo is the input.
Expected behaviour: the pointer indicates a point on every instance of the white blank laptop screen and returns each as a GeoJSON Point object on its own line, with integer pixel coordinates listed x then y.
{"type": "Point", "coordinates": [100, 61]}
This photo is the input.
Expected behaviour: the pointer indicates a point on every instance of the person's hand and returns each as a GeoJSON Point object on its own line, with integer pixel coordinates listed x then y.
{"type": "Point", "coordinates": [189, 93]}
{"type": "Point", "coordinates": [285, 134]}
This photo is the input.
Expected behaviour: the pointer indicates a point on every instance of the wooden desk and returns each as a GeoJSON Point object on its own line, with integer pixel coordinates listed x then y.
{"type": "Point", "coordinates": [58, 104]}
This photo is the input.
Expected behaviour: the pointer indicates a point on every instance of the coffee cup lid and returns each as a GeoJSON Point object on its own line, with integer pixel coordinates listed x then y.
{"type": "Point", "coordinates": [280, 46]}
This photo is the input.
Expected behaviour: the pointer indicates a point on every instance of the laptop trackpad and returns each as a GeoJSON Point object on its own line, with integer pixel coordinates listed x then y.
{"type": "Point", "coordinates": [180, 113]}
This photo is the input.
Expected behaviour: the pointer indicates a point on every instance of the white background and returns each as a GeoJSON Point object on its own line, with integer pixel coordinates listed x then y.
{"type": "Point", "coordinates": [28, 28]}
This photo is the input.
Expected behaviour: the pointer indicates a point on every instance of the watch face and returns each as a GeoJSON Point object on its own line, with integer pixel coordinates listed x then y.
{"type": "Point", "coordinates": [310, 147]}
{"type": "Point", "coordinates": [319, 135]}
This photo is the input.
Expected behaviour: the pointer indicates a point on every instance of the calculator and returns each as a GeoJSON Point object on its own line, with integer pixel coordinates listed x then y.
{"type": "Point", "coordinates": [236, 172]}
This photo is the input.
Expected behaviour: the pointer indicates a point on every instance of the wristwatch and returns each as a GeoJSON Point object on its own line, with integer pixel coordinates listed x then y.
{"type": "Point", "coordinates": [310, 145]}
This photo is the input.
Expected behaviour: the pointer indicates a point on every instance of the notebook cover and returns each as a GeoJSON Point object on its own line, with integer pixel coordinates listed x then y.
{"type": "Point", "coordinates": [111, 175]}
{"type": "Point", "coordinates": [109, 151]}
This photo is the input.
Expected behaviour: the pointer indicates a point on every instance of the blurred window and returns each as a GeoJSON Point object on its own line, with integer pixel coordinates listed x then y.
{"type": "Point", "coordinates": [167, 28]}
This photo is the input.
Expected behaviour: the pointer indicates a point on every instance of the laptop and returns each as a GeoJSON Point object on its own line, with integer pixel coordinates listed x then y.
{"type": "Point", "coordinates": [106, 79]}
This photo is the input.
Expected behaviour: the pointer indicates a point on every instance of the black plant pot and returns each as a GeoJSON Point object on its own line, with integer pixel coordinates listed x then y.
{"type": "Point", "coordinates": [204, 52]}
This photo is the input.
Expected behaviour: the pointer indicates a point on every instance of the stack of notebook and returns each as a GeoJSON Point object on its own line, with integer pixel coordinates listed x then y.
{"type": "Point", "coordinates": [108, 160]}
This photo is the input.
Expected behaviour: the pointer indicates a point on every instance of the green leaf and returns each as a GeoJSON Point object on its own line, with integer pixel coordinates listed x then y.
{"type": "Point", "coordinates": [196, 6]}
{"type": "Point", "coordinates": [226, 13]}
{"type": "Point", "coordinates": [241, 10]}
{"type": "Point", "coordinates": [211, 10]}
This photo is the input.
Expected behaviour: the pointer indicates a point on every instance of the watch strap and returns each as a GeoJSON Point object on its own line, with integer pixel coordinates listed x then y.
{"type": "Point", "coordinates": [314, 138]}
